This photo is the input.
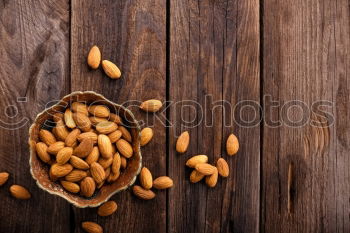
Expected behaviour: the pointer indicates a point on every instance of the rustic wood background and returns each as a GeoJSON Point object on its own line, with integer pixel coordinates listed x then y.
{"type": "Point", "coordinates": [283, 179]}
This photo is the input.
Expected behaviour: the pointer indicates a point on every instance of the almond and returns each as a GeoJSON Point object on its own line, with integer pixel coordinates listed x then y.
{"type": "Point", "coordinates": [19, 192]}
{"type": "Point", "coordinates": [196, 176]}
{"type": "Point", "coordinates": [116, 163]}
{"type": "Point", "coordinates": [99, 111]}
{"type": "Point", "coordinates": [87, 187]}
{"type": "Point", "coordinates": [94, 57]}
{"type": "Point", "coordinates": [79, 107]}
{"type": "Point", "coordinates": [47, 137]}
{"type": "Point", "coordinates": [146, 179]}
{"type": "Point", "coordinates": [75, 175]}
{"type": "Point", "coordinates": [152, 105]}
{"type": "Point", "coordinates": [4, 176]}
{"type": "Point", "coordinates": [57, 117]}
{"type": "Point", "coordinates": [123, 162]}
{"type": "Point", "coordinates": [108, 171]}
{"type": "Point", "coordinates": [143, 193]}
{"type": "Point", "coordinates": [105, 146]}
{"type": "Point", "coordinates": [61, 170]}
{"type": "Point", "coordinates": [71, 139]}
{"type": "Point", "coordinates": [115, 136]}
{"type": "Point", "coordinates": [111, 69]}
{"type": "Point", "coordinates": [163, 182]}
{"type": "Point", "coordinates": [205, 169]}
{"type": "Point", "coordinates": [60, 131]}
{"type": "Point", "coordinates": [124, 148]}
{"type": "Point", "coordinates": [105, 163]}
{"type": "Point", "coordinates": [79, 163]}
{"type": "Point", "coordinates": [115, 118]}
{"type": "Point", "coordinates": [55, 147]}
{"type": "Point", "coordinates": [41, 151]}
{"type": "Point", "coordinates": [92, 227]}
{"type": "Point", "coordinates": [223, 167]}
{"type": "Point", "coordinates": [83, 122]}
{"type": "Point", "coordinates": [106, 127]}
{"type": "Point", "coordinates": [182, 142]}
{"type": "Point", "coordinates": [70, 186]}
{"type": "Point", "coordinates": [232, 145]}
{"type": "Point", "coordinates": [95, 120]}
{"type": "Point", "coordinates": [107, 208]}
{"type": "Point", "coordinates": [68, 119]}
{"type": "Point", "coordinates": [93, 156]}
{"type": "Point", "coordinates": [125, 133]}
{"type": "Point", "coordinates": [64, 155]}
{"type": "Point", "coordinates": [146, 136]}
{"type": "Point", "coordinates": [113, 177]}
{"type": "Point", "coordinates": [212, 179]}
{"type": "Point", "coordinates": [193, 161]}
{"type": "Point", "coordinates": [84, 148]}
{"type": "Point", "coordinates": [97, 172]}
{"type": "Point", "coordinates": [90, 135]}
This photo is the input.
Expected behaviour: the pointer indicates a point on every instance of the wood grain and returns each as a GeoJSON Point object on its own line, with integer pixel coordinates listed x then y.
{"type": "Point", "coordinates": [34, 53]}
{"type": "Point", "coordinates": [214, 60]}
{"type": "Point", "coordinates": [306, 58]}
{"type": "Point", "coordinates": [133, 35]}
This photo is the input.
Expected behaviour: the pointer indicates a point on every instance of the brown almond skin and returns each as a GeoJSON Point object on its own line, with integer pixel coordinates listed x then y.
{"type": "Point", "coordinates": [90, 135]}
{"type": "Point", "coordinates": [84, 148]}
{"type": "Point", "coordinates": [71, 139]}
{"type": "Point", "coordinates": [82, 121]}
{"type": "Point", "coordinates": [105, 146]}
{"type": "Point", "coordinates": [70, 186]}
{"type": "Point", "coordinates": [92, 227]}
{"type": "Point", "coordinates": [68, 119]}
{"type": "Point", "coordinates": [212, 179]}
{"type": "Point", "coordinates": [163, 182]}
{"type": "Point", "coordinates": [95, 120]}
{"type": "Point", "coordinates": [60, 131]}
{"type": "Point", "coordinates": [94, 57]}
{"type": "Point", "coordinates": [41, 151]}
{"type": "Point", "coordinates": [97, 172]}
{"type": "Point", "coordinates": [151, 105]}
{"type": "Point", "coordinates": [93, 156]}
{"type": "Point", "coordinates": [105, 163]}
{"type": "Point", "coordinates": [123, 162]}
{"type": "Point", "coordinates": [125, 133]}
{"type": "Point", "coordinates": [47, 137]}
{"type": "Point", "coordinates": [55, 147]}
{"type": "Point", "coordinates": [111, 69]}
{"type": "Point", "coordinates": [76, 175]}
{"type": "Point", "coordinates": [182, 142]}
{"type": "Point", "coordinates": [205, 168]}
{"type": "Point", "coordinates": [193, 161]}
{"type": "Point", "coordinates": [232, 145]}
{"type": "Point", "coordinates": [19, 192]}
{"type": "Point", "coordinates": [87, 186]}
{"type": "Point", "coordinates": [63, 156]}
{"type": "Point", "coordinates": [143, 193]}
{"type": "Point", "coordinates": [115, 118]}
{"type": "Point", "coordinates": [4, 176]}
{"type": "Point", "coordinates": [196, 176]}
{"type": "Point", "coordinates": [60, 170]}
{"type": "Point", "coordinates": [79, 163]}
{"type": "Point", "coordinates": [223, 167]}
{"type": "Point", "coordinates": [124, 148]}
{"type": "Point", "coordinates": [146, 179]}
{"type": "Point", "coordinates": [116, 163]}
{"type": "Point", "coordinates": [146, 136]}
{"type": "Point", "coordinates": [99, 111]}
{"type": "Point", "coordinates": [115, 136]}
{"type": "Point", "coordinates": [106, 127]}
{"type": "Point", "coordinates": [79, 107]}
{"type": "Point", "coordinates": [107, 208]}
{"type": "Point", "coordinates": [113, 177]}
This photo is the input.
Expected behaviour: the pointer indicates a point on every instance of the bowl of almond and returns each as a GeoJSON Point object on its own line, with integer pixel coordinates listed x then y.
{"type": "Point", "coordinates": [85, 149]}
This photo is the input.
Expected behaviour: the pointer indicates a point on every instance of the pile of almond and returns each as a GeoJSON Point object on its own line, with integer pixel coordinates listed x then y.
{"type": "Point", "coordinates": [87, 147]}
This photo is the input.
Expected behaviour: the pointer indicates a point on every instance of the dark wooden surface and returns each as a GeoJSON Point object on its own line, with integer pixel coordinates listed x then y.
{"type": "Point", "coordinates": [204, 51]}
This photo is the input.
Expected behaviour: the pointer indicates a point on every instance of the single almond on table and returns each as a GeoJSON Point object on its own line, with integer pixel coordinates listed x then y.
{"type": "Point", "coordinates": [223, 167]}
{"type": "Point", "coordinates": [61, 170]}
{"type": "Point", "coordinates": [105, 146]}
{"type": "Point", "coordinates": [84, 148]}
{"type": "Point", "coordinates": [70, 186]}
{"type": "Point", "coordinates": [41, 151]}
{"type": "Point", "coordinates": [143, 193]}
{"type": "Point", "coordinates": [4, 176]}
{"type": "Point", "coordinates": [19, 192]}
{"type": "Point", "coordinates": [94, 57]}
{"type": "Point", "coordinates": [182, 142]}
{"type": "Point", "coordinates": [196, 176]}
{"type": "Point", "coordinates": [111, 69]}
{"type": "Point", "coordinates": [232, 145]}
{"type": "Point", "coordinates": [71, 139]}
{"type": "Point", "coordinates": [82, 121]}
{"type": "Point", "coordinates": [125, 133]}
{"type": "Point", "coordinates": [193, 161]}
{"type": "Point", "coordinates": [93, 136]}
{"type": "Point", "coordinates": [124, 148]}
{"type": "Point", "coordinates": [146, 179]}
{"type": "Point", "coordinates": [63, 156]}
{"type": "Point", "coordinates": [105, 163]}
{"type": "Point", "coordinates": [79, 107]}
{"type": "Point", "coordinates": [146, 136]}
{"type": "Point", "coordinates": [115, 118]}
{"type": "Point", "coordinates": [92, 227]}
{"type": "Point", "coordinates": [47, 137]}
{"type": "Point", "coordinates": [212, 179]}
{"type": "Point", "coordinates": [87, 186]}
{"type": "Point", "coordinates": [68, 119]}
{"type": "Point", "coordinates": [116, 163]}
{"type": "Point", "coordinates": [163, 182]}
{"type": "Point", "coordinates": [106, 127]}
{"type": "Point", "coordinates": [76, 175]}
{"type": "Point", "coordinates": [97, 172]}
{"type": "Point", "coordinates": [107, 208]}
{"type": "Point", "coordinates": [79, 163]}
{"type": "Point", "coordinates": [151, 105]}
{"type": "Point", "coordinates": [99, 111]}
{"type": "Point", "coordinates": [93, 156]}
{"type": "Point", "coordinates": [115, 136]}
{"type": "Point", "coordinates": [55, 147]}
{"type": "Point", "coordinates": [205, 168]}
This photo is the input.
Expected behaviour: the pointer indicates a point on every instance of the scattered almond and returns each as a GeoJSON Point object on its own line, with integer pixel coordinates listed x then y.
{"type": "Point", "coordinates": [151, 105]}
{"type": "Point", "coordinates": [223, 167]}
{"type": "Point", "coordinates": [92, 227]}
{"type": "Point", "coordinates": [196, 176]}
{"type": "Point", "coordinates": [205, 169]}
{"type": "Point", "coordinates": [163, 182]}
{"type": "Point", "coordinates": [111, 69]}
{"type": "Point", "coordinates": [94, 57]}
{"type": "Point", "coordinates": [146, 179]}
{"type": "Point", "coordinates": [107, 208]}
{"type": "Point", "coordinates": [192, 162]}
{"type": "Point", "coordinates": [212, 179]}
{"type": "Point", "coordinates": [146, 136]}
{"type": "Point", "coordinates": [182, 142]}
{"type": "Point", "coordinates": [143, 193]}
{"type": "Point", "coordinates": [4, 176]}
{"type": "Point", "coordinates": [232, 145]}
{"type": "Point", "coordinates": [19, 192]}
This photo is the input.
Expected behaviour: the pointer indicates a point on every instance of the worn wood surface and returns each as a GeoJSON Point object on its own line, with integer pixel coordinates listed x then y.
{"type": "Point", "coordinates": [197, 55]}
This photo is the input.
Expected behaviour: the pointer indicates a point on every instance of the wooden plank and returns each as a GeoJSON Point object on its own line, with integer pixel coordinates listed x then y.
{"type": "Point", "coordinates": [35, 70]}
{"type": "Point", "coordinates": [133, 35]}
{"type": "Point", "coordinates": [306, 58]}
{"type": "Point", "coordinates": [214, 56]}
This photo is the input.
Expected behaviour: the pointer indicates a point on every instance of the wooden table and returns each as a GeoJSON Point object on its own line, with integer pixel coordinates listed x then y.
{"type": "Point", "coordinates": [191, 53]}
